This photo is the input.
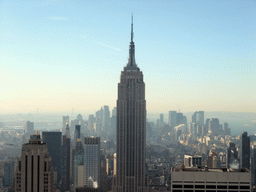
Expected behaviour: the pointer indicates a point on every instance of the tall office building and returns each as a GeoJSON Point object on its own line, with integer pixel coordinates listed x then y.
{"type": "Point", "coordinates": [53, 142]}
{"type": "Point", "coordinates": [77, 132]}
{"type": "Point", "coordinates": [198, 118]}
{"type": "Point", "coordinates": [245, 151]}
{"type": "Point", "coordinates": [34, 171]}
{"type": "Point", "coordinates": [98, 120]}
{"type": "Point", "coordinates": [226, 129]}
{"type": "Point", "coordinates": [92, 162]}
{"type": "Point", "coordinates": [232, 156]}
{"type": "Point", "coordinates": [77, 160]}
{"type": "Point", "coordinates": [91, 121]}
{"type": "Point", "coordinates": [29, 127]}
{"type": "Point", "coordinates": [9, 166]}
{"type": "Point", "coordinates": [172, 119]}
{"type": "Point", "coordinates": [253, 167]}
{"type": "Point", "coordinates": [65, 119]}
{"type": "Point", "coordinates": [106, 118]}
{"type": "Point", "coordinates": [214, 126]}
{"type": "Point", "coordinates": [131, 128]}
{"type": "Point", "coordinates": [114, 112]}
{"type": "Point", "coordinates": [65, 164]}
{"type": "Point", "coordinates": [192, 161]}
{"type": "Point", "coordinates": [161, 120]}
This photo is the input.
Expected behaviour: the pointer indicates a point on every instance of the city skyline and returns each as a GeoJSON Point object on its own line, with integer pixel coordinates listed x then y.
{"type": "Point", "coordinates": [61, 55]}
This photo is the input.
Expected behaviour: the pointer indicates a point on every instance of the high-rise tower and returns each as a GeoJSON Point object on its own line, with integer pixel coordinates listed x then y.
{"type": "Point", "coordinates": [65, 164]}
{"type": "Point", "coordinates": [34, 172]}
{"type": "Point", "coordinates": [131, 128]}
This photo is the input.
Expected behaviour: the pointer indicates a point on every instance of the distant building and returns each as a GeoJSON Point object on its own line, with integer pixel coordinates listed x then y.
{"type": "Point", "coordinates": [114, 112]}
{"type": "Point", "coordinates": [53, 142]}
{"type": "Point", "coordinates": [226, 129]}
{"type": "Point", "coordinates": [77, 132]}
{"type": "Point", "coordinates": [98, 121]}
{"type": "Point", "coordinates": [213, 160]}
{"type": "Point", "coordinates": [78, 121]}
{"type": "Point", "coordinates": [9, 167]}
{"type": "Point", "coordinates": [176, 118]}
{"type": "Point", "coordinates": [193, 130]}
{"type": "Point", "coordinates": [106, 118]}
{"type": "Point", "coordinates": [34, 170]}
{"type": "Point", "coordinates": [253, 167]}
{"type": "Point", "coordinates": [214, 127]}
{"type": "Point", "coordinates": [65, 119]}
{"type": "Point", "coordinates": [29, 127]}
{"type": "Point", "coordinates": [192, 161]}
{"type": "Point", "coordinates": [198, 119]}
{"type": "Point", "coordinates": [207, 179]}
{"type": "Point", "coordinates": [172, 119]}
{"type": "Point", "coordinates": [245, 151]}
{"type": "Point", "coordinates": [77, 159]}
{"type": "Point", "coordinates": [65, 164]}
{"type": "Point", "coordinates": [91, 121]}
{"type": "Point", "coordinates": [92, 162]}
{"type": "Point", "coordinates": [161, 121]}
{"type": "Point", "coordinates": [232, 156]}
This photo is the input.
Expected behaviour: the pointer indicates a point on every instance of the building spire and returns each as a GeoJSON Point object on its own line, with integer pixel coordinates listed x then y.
{"type": "Point", "coordinates": [67, 130]}
{"type": "Point", "coordinates": [131, 65]}
{"type": "Point", "coordinates": [132, 29]}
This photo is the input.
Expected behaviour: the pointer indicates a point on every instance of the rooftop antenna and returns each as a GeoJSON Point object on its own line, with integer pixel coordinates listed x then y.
{"type": "Point", "coordinates": [132, 29]}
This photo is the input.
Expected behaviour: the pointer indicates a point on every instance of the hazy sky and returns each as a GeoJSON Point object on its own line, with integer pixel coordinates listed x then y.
{"type": "Point", "coordinates": [195, 55]}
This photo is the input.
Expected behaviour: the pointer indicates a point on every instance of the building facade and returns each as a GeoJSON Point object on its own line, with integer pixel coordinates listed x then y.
{"type": "Point", "coordinates": [29, 127]}
{"type": "Point", "coordinates": [65, 163]}
{"type": "Point", "coordinates": [245, 151]}
{"type": "Point", "coordinates": [53, 142]}
{"type": "Point", "coordinates": [34, 172]}
{"type": "Point", "coordinates": [77, 159]}
{"type": "Point", "coordinates": [131, 128]}
{"type": "Point", "coordinates": [92, 162]}
{"type": "Point", "coordinates": [212, 180]}
{"type": "Point", "coordinates": [9, 167]}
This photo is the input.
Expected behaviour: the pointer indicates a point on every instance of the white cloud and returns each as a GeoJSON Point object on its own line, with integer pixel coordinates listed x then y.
{"type": "Point", "coordinates": [111, 47]}
{"type": "Point", "coordinates": [86, 38]}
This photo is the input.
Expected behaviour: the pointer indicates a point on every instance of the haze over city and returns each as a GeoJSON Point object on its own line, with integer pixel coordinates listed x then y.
{"type": "Point", "coordinates": [195, 55]}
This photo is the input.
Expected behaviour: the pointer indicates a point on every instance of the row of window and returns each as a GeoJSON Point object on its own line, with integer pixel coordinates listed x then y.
{"type": "Point", "coordinates": [176, 190]}
{"type": "Point", "coordinates": [211, 182]}
{"type": "Point", "coordinates": [211, 186]}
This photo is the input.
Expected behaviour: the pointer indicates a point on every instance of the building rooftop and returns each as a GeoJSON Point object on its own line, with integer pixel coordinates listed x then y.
{"type": "Point", "coordinates": [206, 169]}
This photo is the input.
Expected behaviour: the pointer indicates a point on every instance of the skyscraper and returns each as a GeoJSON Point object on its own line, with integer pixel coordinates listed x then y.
{"type": "Point", "coordinates": [65, 164]}
{"type": "Point", "coordinates": [106, 118]}
{"type": "Point", "coordinates": [172, 119]}
{"type": "Point", "coordinates": [53, 142]}
{"type": "Point", "coordinates": [9, 172]}
{"type": "Point", "coordinates": [131, 128]}
{"type": "Point", "coordinates": [92, 162]}
{"type": "Point", "coordinates": [77, 132]}
{"type": "Point", "coordinates": [253, 167]}
{"type": "Point", "coordinates": [232, 156]}
{"type": "Point", "coordinates": [77, 159]}
{"type": "Point", "coordinates": [34, 171]}
{"type": "Point", "coordinates": [29, 127]}
{"type": "Point", "coordinates": [245, 151]}
{"type": "Point", "coordinates": [65, 119]}
{"type": "Point", "coordinates": [161, 121]}
{"type": "Point", "coordinates": [214, 126]}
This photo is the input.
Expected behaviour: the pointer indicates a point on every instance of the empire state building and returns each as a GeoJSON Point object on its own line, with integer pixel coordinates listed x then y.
{"type": "Point", "coordinates": [131, 128]}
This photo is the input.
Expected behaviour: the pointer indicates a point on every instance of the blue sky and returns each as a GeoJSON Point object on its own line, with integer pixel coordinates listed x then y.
{"type": "Point", "coordinates": [195, 55]}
